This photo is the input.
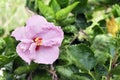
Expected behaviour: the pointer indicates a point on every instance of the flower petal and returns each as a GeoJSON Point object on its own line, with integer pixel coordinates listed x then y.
{"type": "Point", "coordinates": [35, 23]}
{"type": "Point", "coordinates": [32, 50]}
{"type": "Point", "coordinates": [45, 55]}
{"type": "Point", "coordinates": [51, 36]}
{"type": "Point", "coordinates": [20, 33]}
{"type": "Point", "coordinates": [27, 40]}
{"type": "Point", "coordinates": [36, 20]}
{"type": "Point", "coordinates": [23, 51]}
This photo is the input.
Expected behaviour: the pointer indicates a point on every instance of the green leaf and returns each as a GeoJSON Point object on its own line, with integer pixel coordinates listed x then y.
{"type": "Point", "coordinates": [63, 3]}
{"type": "Point", "coordinates": [66, 72]}
{"type": "Point", "coordinates": [98, 15]}
{"type": "Point", "coordinates": [81, 7]}
{"type": "Point", "coordinates": [10, 49]}
{"type": "Point", "coordinates": [116, 70]}
{"type": "Point", "coordinates": [25, 69]}
{"type": "Point", "coordinates": [69, 20]}
{"type": "Point", "coordinates": [46, 11]}
{"type": "Point", "coordinates": [81, 21]}
{"type": "Point", "coordinates": [8, 75]}
{"type": "Point", "coordinates": [63, 13]}
{"type": "Point", "coordinates": [70, 29]}
{"type": "Point", "coordinates": [2, 31]}
{"type": "Point", "coordinates": [116, 77]}
{"type": "Point", "coordinates": [83, 3]}
{"type": "Point", "coordinates": [41, 75]}
{"type": "Point", "coordinates": [82, 56]}
{"type": "Point", "coordinates": [6, 59]}
{"type": "Point", "coordinates": [102, 42]}
{"type": "Point", "coordinates": [64, 58]}
{"type": "Point", "coordinates": [82, 76]}
{"type": "Point", "coordinates": [101, 56]}
{"type": "Point", "coordinates": [117, 20]}
{"type": "Point", "coordinates": [71, 73]}
{"type": "Point", "coordinates": [30, 4]}
{"type": "Point", "coordinates": [2, 78]}
{"type": "Point", "coordinates": [109, 1]}
{"type": "Point", "coordinates": [97, 30]}
{"type": "Point", "coordinates": [18, 62]}
{"type": "Point", "coordinates": [100, 70]}
{"type": "Point", "coordinates": [116, 10]}
{"type": "Point", "coordinates": [54, 5]}
{"type": "Point", "coordinates": [102, 47]}
{"type": "Point", "coordinates": [2, 45]}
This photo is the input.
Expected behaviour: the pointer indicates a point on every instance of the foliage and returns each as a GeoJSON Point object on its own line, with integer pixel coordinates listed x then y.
{"type": "Point", "coordinates": [90, 50]}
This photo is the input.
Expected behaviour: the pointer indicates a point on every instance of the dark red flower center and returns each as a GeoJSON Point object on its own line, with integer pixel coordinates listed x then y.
{"type": "Point", "coordinates": [38, 41]}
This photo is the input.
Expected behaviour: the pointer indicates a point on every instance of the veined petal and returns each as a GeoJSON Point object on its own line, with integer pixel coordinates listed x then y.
{"type": "Point", "coordinates": [20, 33]}
{"type": "Point", "coordinates": [36, 20]}
{"type": "Point", "coordinates": [35, 23]}
{"type": "Point", "coordinates": [51, 36]}
{"type": "Point", "coordinates": [23, 51]}
{"type": "Point", "coordinates": [27, 40]}
{"type": "Point", "coordinates": [45, 55]}
{"type": "Point", "coordinates": [32, 50]}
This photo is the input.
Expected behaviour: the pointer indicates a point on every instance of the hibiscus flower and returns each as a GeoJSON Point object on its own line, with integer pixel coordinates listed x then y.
{"type": "Point", "coordinates": [39, 40]}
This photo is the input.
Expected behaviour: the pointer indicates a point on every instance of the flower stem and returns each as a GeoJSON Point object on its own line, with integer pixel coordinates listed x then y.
{"type": "Point", "coordinates": [53, 72]}
{"type": "Point", "coordinates": [30, 76]}
{"type": "Point", "coordinates": [92, 75]}
{"type": "Point", "coordinates": [112, 65]}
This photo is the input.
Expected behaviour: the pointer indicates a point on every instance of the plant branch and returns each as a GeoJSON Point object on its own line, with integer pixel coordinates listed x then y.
{"type": "Point", "coordinates": [113, 65]}
{"type": "Point", "coordinates": [91, 75]}
{"type": "Point", "coordinates": [30, 76]}
{"type": "Point", "coordinates": [53, 72]}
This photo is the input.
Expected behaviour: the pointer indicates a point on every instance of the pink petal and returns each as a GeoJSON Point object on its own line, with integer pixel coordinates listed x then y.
{"type": "Point", "coordinates": [45, 55]}
{"type": "Point", "coordinates": [20, 33]}
{"type": "Point", "coordinates": [35, 23]}
{"type": "Point", "coordinates": [27, 40]}
{"type": "Point", "coordinates": [23, 51]}
{"type": "Point", "coordinates": [51, 36]}
{"type": "Point", "coordinates": [36, 20]}
{"type": "Point", "coordinates": [32, 50]}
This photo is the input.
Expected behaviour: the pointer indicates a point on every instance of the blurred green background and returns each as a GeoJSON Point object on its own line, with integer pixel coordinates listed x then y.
{"type": "Point", "coordinates": [12, 14]}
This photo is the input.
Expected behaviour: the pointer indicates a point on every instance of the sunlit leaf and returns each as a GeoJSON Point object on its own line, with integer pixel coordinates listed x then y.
{"type": "Point", "coordinates": [63, 13]}
{"type": "Point", "coordinates": [83, 57]}
{"type": "Point", "coordinates": [54, 5]}
{"type": "Point", "coordinates": [46, 11]}
{"type": "Point", "coordinates": [102, 45]}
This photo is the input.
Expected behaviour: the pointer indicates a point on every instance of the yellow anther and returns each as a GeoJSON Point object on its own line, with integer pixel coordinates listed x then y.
{"type": "Point", "coordinates": [38, 41]}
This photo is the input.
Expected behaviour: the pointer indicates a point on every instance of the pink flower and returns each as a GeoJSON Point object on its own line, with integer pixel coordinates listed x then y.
{"type": "Point", "coordinates": [40, 40]}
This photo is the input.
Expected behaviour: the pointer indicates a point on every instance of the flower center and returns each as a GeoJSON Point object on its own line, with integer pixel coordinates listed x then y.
{"type": "Point", "coordinates": [38, 41]}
